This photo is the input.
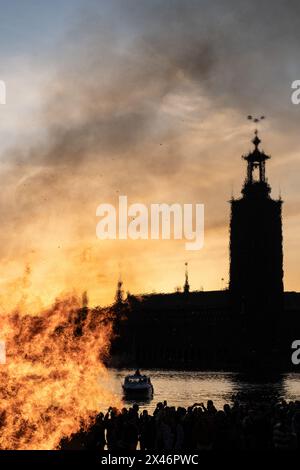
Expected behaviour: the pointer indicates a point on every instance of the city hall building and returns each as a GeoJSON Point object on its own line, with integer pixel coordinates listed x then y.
{"type": "Point", "coordinates": [250, 325]}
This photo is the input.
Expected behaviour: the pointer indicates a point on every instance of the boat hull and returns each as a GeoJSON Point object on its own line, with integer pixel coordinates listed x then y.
{"type": "Point", "coordinates": [139, 392]}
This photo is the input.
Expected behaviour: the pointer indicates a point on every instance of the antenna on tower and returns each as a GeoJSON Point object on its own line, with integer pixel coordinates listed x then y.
{"type": "Point", "coordinates": [119, 292]}
{"type": "Point", "coordinates": [255, 120]}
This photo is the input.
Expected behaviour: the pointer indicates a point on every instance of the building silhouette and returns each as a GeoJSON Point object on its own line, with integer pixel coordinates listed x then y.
{"type": "Point", "coordinates": [249, 325]}
{"type": "Point", "coordinates": [256, 257]}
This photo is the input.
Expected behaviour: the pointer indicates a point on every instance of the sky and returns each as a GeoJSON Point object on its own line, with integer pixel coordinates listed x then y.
{"type": "Point", "coordinates": [146, 99]}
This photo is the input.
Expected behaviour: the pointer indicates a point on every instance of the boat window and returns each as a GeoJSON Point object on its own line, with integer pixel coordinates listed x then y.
{"type": "Point", "coordinates": [137, 379]}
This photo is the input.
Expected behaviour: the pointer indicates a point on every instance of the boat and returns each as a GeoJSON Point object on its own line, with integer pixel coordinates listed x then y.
{"type": "Point", "coordinates": [137, 385]}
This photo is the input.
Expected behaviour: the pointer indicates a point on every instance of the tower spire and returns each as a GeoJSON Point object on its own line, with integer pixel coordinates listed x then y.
{"type": "Point", "coordinates": [256, 182]}
{"type": "Point", "coordinates": [256, 160]}
{"type": "Point", "coordinates": [186, 287]}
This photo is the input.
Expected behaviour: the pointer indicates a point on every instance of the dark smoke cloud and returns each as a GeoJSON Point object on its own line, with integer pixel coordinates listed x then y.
{"type": "Point", "coordinates": [115, 68]}
{"type": "Point", "coordinates": [104, 111]}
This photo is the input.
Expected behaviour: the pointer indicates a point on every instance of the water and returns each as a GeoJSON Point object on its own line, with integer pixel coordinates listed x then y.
{"type": "Point", "coordinates": [186, 388]}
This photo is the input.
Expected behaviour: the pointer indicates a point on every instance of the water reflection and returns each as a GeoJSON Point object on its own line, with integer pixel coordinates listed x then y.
{"type": "Point", "coordinates": [185, 388]}
{"type": "Point", "coordinates": [249, 387]}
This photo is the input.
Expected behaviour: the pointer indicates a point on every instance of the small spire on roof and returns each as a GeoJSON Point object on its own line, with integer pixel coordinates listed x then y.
{"type": "Point", "coordinates": [186, 287]}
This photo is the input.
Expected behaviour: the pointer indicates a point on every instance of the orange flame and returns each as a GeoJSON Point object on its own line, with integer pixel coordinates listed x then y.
{"type": "Point", "coordinates": [50, 385]}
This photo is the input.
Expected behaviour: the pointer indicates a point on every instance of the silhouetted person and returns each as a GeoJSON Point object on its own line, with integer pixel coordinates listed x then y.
{"type": "Point", "coordinates": [247, 424]}
{"type": "Point", "coordinates": [147, 431]}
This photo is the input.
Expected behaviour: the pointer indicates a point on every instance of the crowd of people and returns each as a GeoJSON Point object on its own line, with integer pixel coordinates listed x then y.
{"type": "Point", "coordinates": [242, 425]}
